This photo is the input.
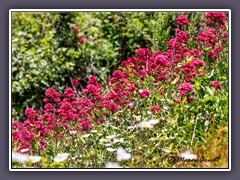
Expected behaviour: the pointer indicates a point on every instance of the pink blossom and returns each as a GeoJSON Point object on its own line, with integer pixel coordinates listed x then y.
{"type": "Point", "coordinates": [155, 109]}
{"type": "Point", "coordinates": [185, 88]}
{"type": "Point", "coordinates": [143, 52]}
{"type": "Point", "coordinates": [144, 93]}
{"type": "Point", "coordinates": [69, 93]}
{"type": "Point", "coordinates": [181, 20]}
{"type": "Point", "coordinates": [92, 80]}
{"type": "Point", "coordinates": [49, 92]}
{"type": "Point", "coordinates": [75, 82]}
{"type": "Point", "coordinates": [216, 84]}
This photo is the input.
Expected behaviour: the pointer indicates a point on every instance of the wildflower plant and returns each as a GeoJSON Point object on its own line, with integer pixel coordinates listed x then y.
{"type": "Point", "coordinates": [155, 105]}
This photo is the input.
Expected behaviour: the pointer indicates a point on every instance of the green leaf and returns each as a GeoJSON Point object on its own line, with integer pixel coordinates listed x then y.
{"type": "Point", "coordinates": [184, 100]}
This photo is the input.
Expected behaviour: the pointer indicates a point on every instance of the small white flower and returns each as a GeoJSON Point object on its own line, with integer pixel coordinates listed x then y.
{"type": "Point", "coordinates": [61, 157]}
{"type": "Point", "coordinates": [110, 137]}
{"type": "Point", "coordinates": [131, 127]}
{"type": "Point", "coordinates": [17, 157]}
{"type": "Point", "coordinates": [72, 132]}
{"type": "Point", "coordinates": [103, 140]}
{"type": "Point", "coordinates": [188, 155]}
{"type": "Point", "coordinates": [111, 149]}
{"type": "Point", "coordinates": [94, 131]}
{"type": "Point", "coordinates": [137, 118]}
{"type": "Point", "coordinates": [121, 140]}
{"type": "Point", "coordinates": [140, 90]}
{"type": "Point", "coordinates": [122, 154]}
{"type": "Point", "coordinates": [114, 140]}
{"type": "Point", "coordinates": [24, 150]}
{"type": "Point", "coordinates": [131, 104]}
{"type": "Point", "coordinates": [113, 165]}
{"type": "Point", "coordinates": [86, 135]}
{"type": "Point", "coordinates": [145, 125]}
{"type": "Point", "coordinates": [149, 112]}
{"type": "Point", "coordinates": [154, 121]}
{"type": "Point", "coordinates": [35, 159]}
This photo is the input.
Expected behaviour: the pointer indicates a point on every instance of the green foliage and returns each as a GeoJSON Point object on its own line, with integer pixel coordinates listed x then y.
{"type": "Point", "coordinates": [36, 60]}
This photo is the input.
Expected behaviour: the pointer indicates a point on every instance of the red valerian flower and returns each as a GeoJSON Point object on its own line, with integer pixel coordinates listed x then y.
{"type": "Point", "coordinates": [92, 80]}
{"type": "Point", "coordinates": [46, 100]}
{"type": "Point", "coordinates": [144, 93]}
{"type": "Point", "coordinates": [114, 96]}
{"type": "Point", "coordinates": [118, 74]}
{"type": "Point", "coordinates": [164, 121]}
{"type": "Point", "coordinates": [162, 60]}
{"type": "Point", "coordinates": [48, 107]}
{"type": "Point", "coordinates": [75, 82]}
{"type": "Point", "coordinates": [113, 21]}
{"type": "Point", "coordinates": [178, 100]}
{"type": "Point", "coordinates": [216, 84]}
{"type": "Point", "coordinates": [208, 23]}
{"type": "Point", "coordinates": [181, 20]}
{"type": "Point", "coordinates": [83, 40]}
{"type": "Point", "coordinates": [196, 52]}
{"type": "Point", "coordinates": [182, 36]}
{"type": "Point", "coordinates": [69, 92]}
{"type": "Point", "coordinates": [215, 52]}
{"type": "Point", "coordinates": [75, 29]}
{"type": "Point", "coordinates": [198, 62]}
{"type": "Point", "coordinates": [43, 147]}
{"type": "Point", "coordinates": [208, 35]}
{"type": "Point", "coordinates": [190, 99]}
{"type": "Point", "coordinates": [95, 38]}
{"type": "Point", "coordinates": [143, 52]}
{"type": "Point", "coordinates": [173, 43]}
{"type": "Point", "coordinates": [30, 113]}
{"type": "Point", "coordinates": [220, 16]}
{"type": "Point", "coordinates": [155, 109]}
{"type": "Point", "coordinates": [57, 100]}
{"type": "Point", "coordinates": [131, 87]}
{"type": "Point", "coordinates": [225, 34]}
{"type": "Point", "coordinates": [185, 88]}
{"type": "Point", "coordinates": [132, 109]}
{"type": "Point", "coordinates": [49, 92]}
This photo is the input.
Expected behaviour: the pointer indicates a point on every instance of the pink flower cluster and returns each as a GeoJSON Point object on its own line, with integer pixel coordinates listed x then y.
{"type": "Point", "coordinates": [208, 36]}
{"type": "Point", "coordinates": [190, 69]}
{"type": "Point", "coordinates": [215, 53]}
{"type": "Point", "coordinates": [216, 84]}
{"type": "Point", "coordinates": [75, 82]}
{"type": "Point", "coordinates": [181, 20]}
{"type": "Point", "coordinates": [185, 88]}
{"type": "Point", "coordinates": [52, 93]}
{"type": "Point", "coordinates": [155, 109]}
{"type": "Point", "coordinates": [219, 16]}
{"type": "Point", "coordinates": [144, 93]}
